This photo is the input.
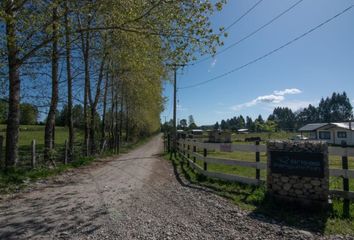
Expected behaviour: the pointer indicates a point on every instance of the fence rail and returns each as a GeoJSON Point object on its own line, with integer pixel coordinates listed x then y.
{"type": "Point", "coordinates": [188, 150]}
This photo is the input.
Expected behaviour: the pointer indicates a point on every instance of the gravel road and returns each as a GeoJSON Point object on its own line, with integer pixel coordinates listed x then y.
{"type": "Point", "coordinates": [134, 196]}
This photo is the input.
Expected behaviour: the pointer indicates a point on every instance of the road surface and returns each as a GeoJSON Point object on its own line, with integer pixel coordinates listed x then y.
{"type": "Point", "coordinates": [134, 196]}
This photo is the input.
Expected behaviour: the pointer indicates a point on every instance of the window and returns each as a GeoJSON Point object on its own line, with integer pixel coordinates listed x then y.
{"type": "Point", "coordinates": [325, 135]}
{"type": "Point", "coordinates": [342, 134]}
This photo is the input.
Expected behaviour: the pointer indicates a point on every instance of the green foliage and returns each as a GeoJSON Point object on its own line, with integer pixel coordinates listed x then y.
{"type": "Point", "coordinates": [336, 108]}
{"type": "Point", "coordinates": [28, 114]}
{"type": "Point", "coordinates": [3, 111]}
{"type": "Point", "coordinates": [183, 123]}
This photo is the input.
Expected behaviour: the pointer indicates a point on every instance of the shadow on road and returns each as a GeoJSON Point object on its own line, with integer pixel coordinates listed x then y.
{"type": "Point", "coordinates": [60, 215]}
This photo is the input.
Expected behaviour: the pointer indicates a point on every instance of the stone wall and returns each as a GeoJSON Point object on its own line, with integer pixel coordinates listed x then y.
{"type": "Point", "coordinates": [303, 189]}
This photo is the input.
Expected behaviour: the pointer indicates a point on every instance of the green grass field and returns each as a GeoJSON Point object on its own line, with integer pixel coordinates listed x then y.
{"type": "Point", "coordinates": [28, 133]}
{"type": "Point", "coordinates": [334, 162]}
{"type": "Point", "coordinates": [239, 137]}
{"type": "Point", "coordinates": [36, 132]}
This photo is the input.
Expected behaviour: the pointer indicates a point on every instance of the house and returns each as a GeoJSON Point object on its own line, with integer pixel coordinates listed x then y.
{"type": "Point", "coordinates": [334, 133]}
{"type": "Point", "coordinates": [243, 130]}
{"type": "Point", "coordinates": [216, 136]}
{"type": "Point", "coordinates": [181, 134]}
{"type": "Point", "coordinates": [195, 133]}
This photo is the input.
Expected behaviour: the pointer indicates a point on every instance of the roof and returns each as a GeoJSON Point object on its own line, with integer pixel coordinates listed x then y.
{"type": "Point", "coordinates": [197, 130]}
{"type": "Point", "coordinates": [314, 126]}
{"type": "Point", "coordinates": [242, 130]}
{"type": "Point", "coordinates": [344, 125]}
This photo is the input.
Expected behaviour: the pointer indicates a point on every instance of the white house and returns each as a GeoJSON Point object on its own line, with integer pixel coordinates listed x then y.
{"type": "Point", "coordinates": [334, 133]}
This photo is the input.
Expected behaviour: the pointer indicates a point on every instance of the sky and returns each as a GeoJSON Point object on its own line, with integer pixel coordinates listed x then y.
{"type": "Point", "coordinates": [297, 75]}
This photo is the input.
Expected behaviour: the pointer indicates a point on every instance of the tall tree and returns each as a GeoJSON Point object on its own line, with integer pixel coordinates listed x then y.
{"type": "Point", "coordinates": [50, 123]}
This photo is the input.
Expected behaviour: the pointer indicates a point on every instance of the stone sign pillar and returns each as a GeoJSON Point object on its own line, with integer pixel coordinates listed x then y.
{"type": "Point", "coordinates": [298, 172]}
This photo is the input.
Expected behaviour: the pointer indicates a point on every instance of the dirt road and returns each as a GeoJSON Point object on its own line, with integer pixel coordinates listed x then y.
{"type": "Point", "coordinates": [135, 196]}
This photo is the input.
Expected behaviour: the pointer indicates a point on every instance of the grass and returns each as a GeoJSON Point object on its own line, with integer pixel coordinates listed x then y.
{"type": "Point", "coordinates": [30, 132]}
{"type": "Point", "coordinates": [256, 200]}
{"type": "Point", "coordinates": [12, 180]}
{"type": "Point", "coordinates": [334, 162]}
{"type": "Point", "coordinates": [239, 137]}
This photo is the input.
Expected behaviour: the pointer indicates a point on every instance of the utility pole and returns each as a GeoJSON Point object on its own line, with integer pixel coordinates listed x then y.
{"type": "Point", "coordinates": [174, 131]}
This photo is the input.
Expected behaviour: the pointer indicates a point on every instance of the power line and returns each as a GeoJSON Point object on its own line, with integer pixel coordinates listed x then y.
{"type": "Point", "coordinates": [242, 16]}
{"type": "Point", "coordinates": [251, 34]}
{"type": "Point", "coordinates": [271, 52]}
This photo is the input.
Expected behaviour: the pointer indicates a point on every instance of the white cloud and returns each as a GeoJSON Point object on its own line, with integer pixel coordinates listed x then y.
{"type": "Point", "coordinates": [269, 99]}
{"type": "Point", "coordinates": [273, 99]}
{"type": "Point", "coordinates": [288, 91]}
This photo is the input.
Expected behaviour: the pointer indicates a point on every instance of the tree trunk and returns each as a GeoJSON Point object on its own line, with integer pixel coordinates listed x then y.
{"type": "Point", "coordinates": [13, 119]}
{"type": "Point", "coordinates": [112, 112]}
{"type": "Point", "coordinates": [85, 44]}
{"type": "Point", "coordinates": [49, 127]}
{"type": "Point", "coordinates": [121, 114]}
{"type": "Point", "coordinates": [69, 81]}
{"type": "Point", "coordinates": [116, 130]}
{"type": "Point", "coordinates": [103, 127]}
{"type": "Point", "coordinates": [127, 124]}
{"type": "Point", "coordinates": [93, 104]}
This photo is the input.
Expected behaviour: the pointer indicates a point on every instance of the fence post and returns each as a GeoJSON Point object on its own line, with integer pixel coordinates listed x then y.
{"type": "Point", "coordinates": [1, 143]}
{"type": "Point", "coordinates": [194, 151]}
{"type": "Point", "coordinates": [205, 153]}
{"type": "Point", "coordinates": [346, 202]}
{"type": "Point", "coordinates": [66, 152]}
{"type": "Point", "coordinates": [33, 162]}
{"type": "Point", "coordinates": [188, 148]}
{"type": "Point", "coordinates": [258, 171]}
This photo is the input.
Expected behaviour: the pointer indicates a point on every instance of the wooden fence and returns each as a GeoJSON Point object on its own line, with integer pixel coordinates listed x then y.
{"type": "Point", "coordinates": [190, 151]}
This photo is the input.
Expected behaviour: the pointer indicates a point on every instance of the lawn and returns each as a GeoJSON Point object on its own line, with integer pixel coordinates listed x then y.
{"type": "Point", "coordinates": [36, 132]}
{"type": "Point", "coordinates": [28, 133]}
{"type": "Point", "coordinates": [239, 137]}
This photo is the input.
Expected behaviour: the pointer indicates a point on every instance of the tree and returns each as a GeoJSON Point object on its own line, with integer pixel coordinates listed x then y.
{"type": "Point", "coordinates": [192, 126]}
{"type": "Point", "coordinates": [190, 120]}
{"type": "Point", "coordinates": [223, 125]}
{"type": "Point", "coordinates": [78, 116]}
{"type": "Point", "coordinates": [183, 123]}
{"type": "Point", "coordinates": [284, 118]}
{"type": "Point", "coordinates": [307, 115]}
{"type": "Point", "coordinates": [269, 126]}
{"type": "Point", "coordinates": [249, 124]}
{"type": "Point", "coordinates": [216, 126]}
{"type": "Point", "coordinates": [21, 46]}
{"type": "Point", "coordinates": [3, 111]}
{"type": "Point", "coordinates": [28, 114]}
{"type": "Point", "coordinates": [50, 123]}
{"type": "Point", "coordinates": [132, 47]}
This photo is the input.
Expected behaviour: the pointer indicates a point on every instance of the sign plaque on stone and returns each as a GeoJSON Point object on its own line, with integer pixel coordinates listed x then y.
{"type": "Point", "coordinates": [298, 172]}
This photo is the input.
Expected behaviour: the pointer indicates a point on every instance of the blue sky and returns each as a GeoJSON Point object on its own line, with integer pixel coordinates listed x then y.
{"type": "Point", "coordinates": [300, 74]}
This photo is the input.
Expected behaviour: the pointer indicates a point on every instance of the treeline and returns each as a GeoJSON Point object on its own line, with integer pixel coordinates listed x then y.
{"type": "Point", "coordinates": [100, 61]}
{"type": "Point", "coordinates": [28, 113]}
{"type": "Point", "coordinates": [336, 108]}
